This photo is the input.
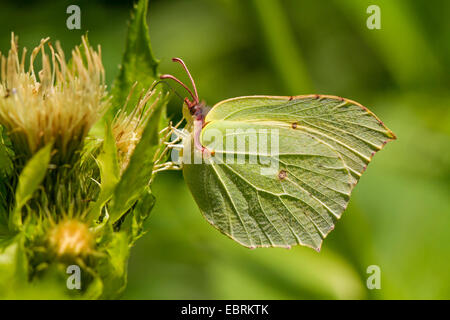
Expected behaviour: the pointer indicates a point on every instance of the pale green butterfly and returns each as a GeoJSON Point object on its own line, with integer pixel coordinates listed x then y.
{"type": "Point", "coordinates": [292, 187]}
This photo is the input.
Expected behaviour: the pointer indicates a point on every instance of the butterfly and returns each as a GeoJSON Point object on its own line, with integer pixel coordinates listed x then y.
{"type": "Point", "coordinates": [276, 171]}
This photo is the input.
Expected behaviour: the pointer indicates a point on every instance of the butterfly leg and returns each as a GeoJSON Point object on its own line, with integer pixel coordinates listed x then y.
{"type": "Point", "coordinates": [167, 166]}
{"type": "Point", "coordinates": [165, 144]}
{"type": "Point", "coordinates": [172, 138]}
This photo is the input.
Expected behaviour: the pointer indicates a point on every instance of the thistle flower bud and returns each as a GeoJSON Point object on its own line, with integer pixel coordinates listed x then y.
{"type": "Point", "coordinates": [71, 238]}
{"type": "Point", "coordinates": [127, 128]}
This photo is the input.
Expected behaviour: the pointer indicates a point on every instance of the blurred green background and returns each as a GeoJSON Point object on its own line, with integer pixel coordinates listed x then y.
{"type": "Point", "coordinates": [399, 214]}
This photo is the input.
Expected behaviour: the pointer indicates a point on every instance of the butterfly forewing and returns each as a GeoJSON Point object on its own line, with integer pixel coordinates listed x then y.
{"type": "Point", "coordinates": [350, 128]}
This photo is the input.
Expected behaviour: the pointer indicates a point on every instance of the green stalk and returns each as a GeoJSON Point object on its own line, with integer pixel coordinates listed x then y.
{"type": "Point", "coordinates": [282, 46]}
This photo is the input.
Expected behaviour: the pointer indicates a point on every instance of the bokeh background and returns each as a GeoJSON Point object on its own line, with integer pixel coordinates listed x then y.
{"type": "Point", "coordinates": [399, 214]}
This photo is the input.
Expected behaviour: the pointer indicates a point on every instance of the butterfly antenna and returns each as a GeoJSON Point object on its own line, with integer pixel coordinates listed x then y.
{"type": "Point", "coordinates": [170, 87]}
{"type": "Point", "coordinates": [189, 74]}
{"type": "Point", "coordinates": [169, 76]}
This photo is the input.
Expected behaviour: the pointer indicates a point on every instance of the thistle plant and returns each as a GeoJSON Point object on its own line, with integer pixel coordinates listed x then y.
{"type": "Point", "coordinates": [76, 163]}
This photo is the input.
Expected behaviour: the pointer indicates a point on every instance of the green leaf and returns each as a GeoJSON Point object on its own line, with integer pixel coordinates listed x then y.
{"type": "Point", "coordinates": [113, 268]}
{"type": "Point", "coordinates": [136, 176]}
{"type": "Point", "coordinates": [3, 221]}
{"type": "Point", "coordinates": [6, 170]}
{"type": "Point", "coordinates": [134, 222]}
{"type": "Point", "coordinates": [109, 173]}
{"type": "Point", "coordinates": [325, 144]}
{"type": "Point", "coordinates": [95, 289]}
{"type": "Point", "coordinates": [13, 264]}
{"type": "Point", "coordinates": [50, 284]}
{"type": "Point", "coordinates": [29, 180]}
{"type": "Point", "coordinates": [6, 165]}
{"type": "Point", "coordinates": [138, 63]}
